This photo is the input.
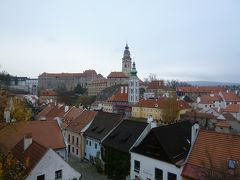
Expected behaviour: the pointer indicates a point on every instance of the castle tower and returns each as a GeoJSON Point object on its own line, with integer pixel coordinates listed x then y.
{"type": "Point", "coordinates": [126, 61]}
{"type": "Point", "coordinates": [133, 85]}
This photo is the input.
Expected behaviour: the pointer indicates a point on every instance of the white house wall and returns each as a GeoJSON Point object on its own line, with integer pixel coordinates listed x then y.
{"type": "Point", "coordinates": [148, 165]}
{"type": "Point", "coordinates": [50, 163]}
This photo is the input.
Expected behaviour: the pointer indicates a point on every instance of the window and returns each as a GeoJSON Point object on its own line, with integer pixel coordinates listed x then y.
{"type": "Point", "coordinates": [136, 166]}
{"type": "Point", "coordinates": [172, 176]}
{"type": "Point", "coordinates": [76, 151]}
{"type": "Point", "coordinates": [73, 139]}
{"type": "Point", "coordinates": [90, 143]}
{"type": "Point", "coordinates": [58, 174]}
{"type": "Point", "coordinates": [87, 142]}
{"type": "Point", "coordinates": [72, 149]}
{"type": "Point", "coordinates": [41, 177]}
{"type": "Point", "coordinates": [158, 174]}
{"type": "Point", "coordinates": [95, 145]}
{"type": "Point", "coordinates": [68, 138]}
{"type": "Point", "coordinates": [77, 141]}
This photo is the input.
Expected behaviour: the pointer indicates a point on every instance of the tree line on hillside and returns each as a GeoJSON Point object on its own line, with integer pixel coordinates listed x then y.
{"type": "Point", "coordinates": [76, 97]}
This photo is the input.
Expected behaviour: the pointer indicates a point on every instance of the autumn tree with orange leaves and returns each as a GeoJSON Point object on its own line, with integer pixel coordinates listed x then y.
{"type": "Point", "coordinates": [10, 168]}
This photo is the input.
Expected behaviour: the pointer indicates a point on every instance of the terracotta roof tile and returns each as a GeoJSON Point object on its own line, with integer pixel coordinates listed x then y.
{"type": "Point", "coordinates": [230, 97]}
{"type": "Point", "coordinates": [72, 114]}
{"type": "Point", "coordinates": [159, 103]}
{"type": "Point", "coordinates": [51, 111]}
{"type": "Point", "coordinates": [81, 121]}
{"type": "Point", "coordinates": [210, 99]}
{"type": "Point", "coordinates": [60, 74]}
{"type": "Point", "coordinates": [31, 156]}
{"type": "Point", "coordinates": [119, 97]}
{"type": "Point", "coordinates": [116, 75]}
{"type": "Point", "coordinates": [157, 84]}
{"type": "Point", "coordinates": [201, 89]}
{"type": "Point", "coordinates": [232, 108]}
{"type": "Point", "coordinates": [48, 93]}
{"type": "Point", "coordinates": [212, 150]}
{"type": "Point", "coordinates": [89, 73]}
{"type": "Point", "coordinates": [47, 133]}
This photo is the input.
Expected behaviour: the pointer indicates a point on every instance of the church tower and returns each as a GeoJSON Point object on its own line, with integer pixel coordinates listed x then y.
{"type": "Point", "coordinates": [133, 85]}
{"type": "Point", "coordinates": [126, 61]}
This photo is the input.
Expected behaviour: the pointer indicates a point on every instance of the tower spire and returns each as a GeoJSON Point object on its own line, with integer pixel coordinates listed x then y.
{"type": "Point", "coordinates": [126, 61]}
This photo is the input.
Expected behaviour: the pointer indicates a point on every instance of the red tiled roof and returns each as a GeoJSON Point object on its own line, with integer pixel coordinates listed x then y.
{"type": "Point", "coordinates": [210, 99]}
{"type": "Point", "coordinates": [183, 104]}
{"type": "Point", "coordinates": [48, 93]}
{"type": "Point", "coordinates": [159, 103]}
{"type": "Point", "coordinates": [31, 156]}
{"type": "Point", "coordinates": [72, 114]}
{"type": "Point", "coordinates": [81, 121]}
{"type": "Point", "coordinates": [232, 108]}
{"type": "Point", "coordinates": [61, 74]}
{"type": "Point", "coordinates": [150, 103]}
{"type": "Point", "coordinates": [47, 133]}
{"type": "Point", "coordinates": [157, 84]}
{"type": "Point", "coordinates": [52, 111]}
{"type": "Point", "coordinates": [212, 150]}
{"type": "Point", "coordinates": [89, 73]}
{"type": "Point", "coordinates": [119, 97]}
{"type": "Point", "coordinates": [201, 89]}
{"type": "Point", "coordinates": [116, 75]}
{"type": "Point", "coordinates": [230, 97]}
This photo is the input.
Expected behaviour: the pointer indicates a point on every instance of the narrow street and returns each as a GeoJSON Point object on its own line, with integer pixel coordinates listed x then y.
{"type": "Point", "coordinates": [87, 170]}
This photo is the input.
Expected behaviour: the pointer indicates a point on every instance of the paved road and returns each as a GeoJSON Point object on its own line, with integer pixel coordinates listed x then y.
{"type": "Point", "coordinates": [87, 170]}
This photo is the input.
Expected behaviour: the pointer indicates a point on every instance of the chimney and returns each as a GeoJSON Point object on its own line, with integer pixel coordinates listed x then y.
{"type": "Point", "coordinates": [66, 108]}
{"type": "Point", "coordinates": [27, 140]}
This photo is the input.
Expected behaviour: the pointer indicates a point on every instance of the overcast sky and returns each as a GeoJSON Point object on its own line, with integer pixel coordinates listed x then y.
{"type": "Point", "coordinates": [175, 39]}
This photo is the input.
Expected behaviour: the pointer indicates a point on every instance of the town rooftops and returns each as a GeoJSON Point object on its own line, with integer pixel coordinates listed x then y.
{"type": "Point", "coordinates": [213, 152]}
{"type": "Point", "coordinates": [72, 114]}
{"type": "Point", "coordinates": [230, 97]}
{"type": "Point", "coordinates": [117, 75]}
{"type": "Point", "coordinates": [46, 133]}
{"type": "Point", "coordinates": [48, 92]}
{"type": "Point", "coordinates": [210, 99]}
{"type": "Point", "coordinates": [232, 108]}
{"type": "Point", "coordinates": [119, 97]}
{"type": "Point", "coordinates": [169, 143]}
{"type": "Point", "coordinates": [202, 89]}
{"type": "Point", "coordinates": [102, 124]}
{"type": "Point", "coordinates": [29, 157]}
{"type": "Point", "coordinates": [89, 73]}
{"type": "Point", "coordinates": [156, 84]}
{"type": "Point", "coordinates": [125, 135]}
{"type": "Point", "coordinates": [81, 121]}
{"type": "Point", "coordinates": [159, 103]}
{"type": "Point", "coordinates": [51, 111]}
{"type": "Point", "coordinates": [229, 117]}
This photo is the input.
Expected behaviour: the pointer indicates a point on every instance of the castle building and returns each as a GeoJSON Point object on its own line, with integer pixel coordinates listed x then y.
{"type": "Point", "coordinates": [126, 61]}
{"type": "Point", "coordinates": [133, 84]}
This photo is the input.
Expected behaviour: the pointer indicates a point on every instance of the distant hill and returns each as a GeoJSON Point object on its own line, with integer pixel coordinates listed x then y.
{"type": "Point", "coordinates": [211, 83]}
